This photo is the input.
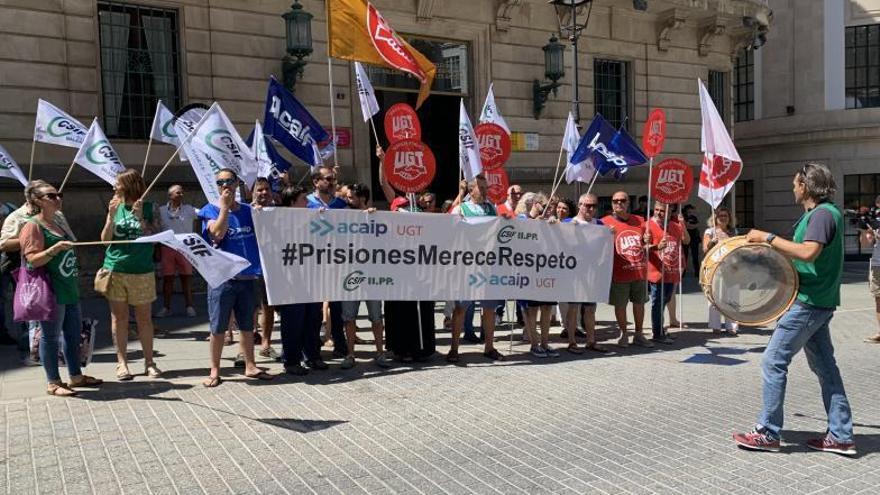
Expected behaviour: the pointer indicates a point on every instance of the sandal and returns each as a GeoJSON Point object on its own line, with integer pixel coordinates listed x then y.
{"type": "Point", "coordinates": [122, 373]}
{"type": "Point", "coordinates": [452, 356]}
{"type": "Point", "coordinates": [152, 371]}
{"type": "Point", "coordinates": [262, 375]}
{"type": "Point", "coordinates": [597, 348]}
{"type": "Point", "coordinates": [85, 381]}
{"type": "Point", "coordinates": [574, 349]}
{"type": "Point", "coordinates": [873, 340]}
{"type": "Point", "coordinates": [60, 389]}
{"type": "Point", "coordinates": [212, 382]}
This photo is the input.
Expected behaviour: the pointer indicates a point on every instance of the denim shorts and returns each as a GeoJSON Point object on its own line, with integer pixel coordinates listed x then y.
{"type": "Point", "coordinates": [233, 295]}
{"type": "Point", "coordinates": [350, 310]}
{"type": "Point", "coordinates": [490, 304]}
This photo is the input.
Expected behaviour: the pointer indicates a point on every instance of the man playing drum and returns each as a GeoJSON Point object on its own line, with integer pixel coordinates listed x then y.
{"type": "Point", "coordinates": [817, 254]}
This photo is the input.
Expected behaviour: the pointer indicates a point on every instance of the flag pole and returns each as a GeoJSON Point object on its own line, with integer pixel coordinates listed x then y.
{"type": "Point", "coordinates": [662, 267]}
{"type": "Point", "coordinates": [147, 156]}
{"type": "Point", "coordinates": [332, 110]}
{"type": "Point", "coordinates": [31, 166]}
{"type": "Point", "coordinates": [593, 180]}
{"type": "Point", "coordinates": [69, 170]}
{"type": "Point", "coordinates": [555, 182]}
{"type": "Point", "coordinates": [373, 127]}
{"type": "Point", "coordinates": [101, 243]}
{"type": "Point", "coordinates": [412, 208]}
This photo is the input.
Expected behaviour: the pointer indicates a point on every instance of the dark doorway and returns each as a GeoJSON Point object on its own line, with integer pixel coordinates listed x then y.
{"type": "Point", "coordinates": [438, 116]}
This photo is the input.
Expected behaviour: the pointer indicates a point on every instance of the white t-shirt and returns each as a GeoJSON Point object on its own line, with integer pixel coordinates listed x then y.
{"type": "Point", "coordinates": [179, 220]}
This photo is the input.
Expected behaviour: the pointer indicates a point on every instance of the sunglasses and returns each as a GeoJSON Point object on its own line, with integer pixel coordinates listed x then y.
{"type": "Point", "coordinates": [620, 201]}
{"type": "Point", "coordinates": [329, 179]}
{"type": "Point", "coordinates": [53, 196]}
{"type": "Point", "coordinates": [587, 205]}
{"type": "Point", "coordinates": [226, 182]}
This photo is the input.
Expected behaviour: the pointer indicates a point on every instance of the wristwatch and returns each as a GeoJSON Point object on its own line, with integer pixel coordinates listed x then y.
{"type": "Point", "coordinates": [770, 238]}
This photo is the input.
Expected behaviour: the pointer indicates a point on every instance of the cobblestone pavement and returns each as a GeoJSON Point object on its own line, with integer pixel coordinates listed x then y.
{"type": "Point", "coordinates": [636, 421]}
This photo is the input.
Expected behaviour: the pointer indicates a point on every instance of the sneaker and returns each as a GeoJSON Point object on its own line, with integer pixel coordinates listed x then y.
{"type": "Point", "coordinates": [382, 361]}
{"type": "Point", "coordinates": [551, 352]}
{"type": "Point", "coordinates": [269, 352]}
{"type": "Point", "coordinates": [494, 355]}
{"type": "Point", "coordinates": [757, 439]}
{"type": "Point", "coordinates": [317, 364]}
{"type": "Point", "coordinates": [664, 340]}
{"type": "Point", "coordinates": [190, 312]}
{"type": "Point", "coordinates": [296, 369]}
{"type": "Point", "coordinates": [538, 351]}
{"type": "Point", "coordinates": [347, 363]}
{"type": "Point", "coordinates": [640, 340]}
{"type": "Point", "coordinates": [339, 354]}
{"type": "Point", "coordinates": [163, 313]}
{"type": "Point", "coordinates": [829, 444]}
{"type": "Point", "coordinates": [239, 361]}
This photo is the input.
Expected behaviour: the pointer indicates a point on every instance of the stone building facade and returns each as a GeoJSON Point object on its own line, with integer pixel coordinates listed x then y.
{"type": "Point", "coordinates": [113, 59]}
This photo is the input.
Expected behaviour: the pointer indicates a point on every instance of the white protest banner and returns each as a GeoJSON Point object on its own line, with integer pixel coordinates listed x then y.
{"type": "Point", "coordinates": [163, 126]}
{"type": "Point", "coordinates": [345, 255]}
{"type": "Point", "coordinates": [97, 156]}
{"type": "Point", "coordinates": [54, 126]}
{"type": "Point", "coordinates": [468, 147]}
{"type": "Point", "coordinates": [10, 169]}
{"type": "Point", "coordinates": [214, 265]}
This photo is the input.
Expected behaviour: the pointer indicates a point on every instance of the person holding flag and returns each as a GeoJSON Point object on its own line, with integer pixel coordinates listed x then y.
{"type": "Point", "coordinates": [664, 266]}
{"type": "Point", "coordinates": [129, 271]}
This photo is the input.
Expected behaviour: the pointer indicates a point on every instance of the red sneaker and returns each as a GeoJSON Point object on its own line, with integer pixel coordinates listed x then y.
{"type": "Point", "coordinates": [756, 440]}
{"type": "Point", "coordinates": [829, 444]}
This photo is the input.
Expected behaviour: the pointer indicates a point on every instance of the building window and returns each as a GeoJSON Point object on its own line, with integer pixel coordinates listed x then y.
{"type": "Point", "coordinates": [744, 86]}
{"type": "Point", "coordinates": [863, 66]}
{"type": "Point", "coordinates": [859, 192]}
{"type": "Point", "coordinates": [718, 91]}
{"type": "Point", "coordinates": [611, 91]}
{"type": "Point", "coordinates": [450, 57]}
{"type": "Point", "coordinates": [139, 65]}
{"type": "Point", "coordinates": [745, 204]}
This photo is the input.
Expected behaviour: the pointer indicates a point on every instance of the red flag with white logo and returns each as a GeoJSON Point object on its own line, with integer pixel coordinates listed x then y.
{"type": "Point", "coordinates": [721, 162]}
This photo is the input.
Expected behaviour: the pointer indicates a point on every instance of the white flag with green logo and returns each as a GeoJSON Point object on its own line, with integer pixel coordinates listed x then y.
{"type": "Point", "coordinates": [468, 147]}
{"type": "Point", "coordinates": [163, 126]}
{"type": "Point", "coordinates": [10, 169]}
{"type": "Point", "coordinates": [54, 126]}
{"type": "Point", "coordinates": [261, 154]}
{"type": "Point", "coordinates": [97, 156]}
{"type": "Point", "coordinates": [490, 111]}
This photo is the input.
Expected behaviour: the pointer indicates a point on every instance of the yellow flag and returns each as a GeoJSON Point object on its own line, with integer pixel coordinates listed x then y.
{"type": "Point", "coordinates": [358, 32]}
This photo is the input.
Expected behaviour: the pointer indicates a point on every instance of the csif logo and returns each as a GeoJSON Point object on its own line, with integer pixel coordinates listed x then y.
{"type": "Point", "coordinates": [168, 129]}
{"type": "Point", "coordinates": [221, 140]}
{"type": "Point", "coordinates": [355, 279]}
{"type": "Point", "coordinates": [60, 127]}
{"type": "Point", "coordinates": [101, 153]}
{"type": "Point", "coordinates": [509, 233]}
{"type": "Point", "coordinates": [68, 266]}
{"type": "Point", "coordinates": [5, 162]}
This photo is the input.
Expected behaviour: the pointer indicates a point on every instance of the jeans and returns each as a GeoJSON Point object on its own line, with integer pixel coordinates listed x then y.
{"type": "Point", "coordinates": [300, 332]}
{"type": "Point", "coordinates": [68, 321]}
{"type": "Point", "coordinates": [337, 328]}
{"type": "Point", "coordinates": [657, 307]}
{"type": "Point", "coordinates": [804, 326]}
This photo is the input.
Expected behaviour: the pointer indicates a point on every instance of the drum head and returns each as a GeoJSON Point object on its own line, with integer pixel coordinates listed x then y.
{"type": "Point", "coordinates": [753, 284]}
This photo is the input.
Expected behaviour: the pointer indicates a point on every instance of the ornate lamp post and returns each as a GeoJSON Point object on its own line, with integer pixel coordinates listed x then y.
{"type": "Point", "coordinates": [566, 16]}
{"type": "Point", "coordinates": [298, 31]}
{"type": "Point", "coordinates": [554, 70]}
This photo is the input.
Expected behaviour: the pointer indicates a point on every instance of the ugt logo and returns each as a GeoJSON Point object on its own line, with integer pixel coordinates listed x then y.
{"type": "Point", "coordinates": [670, 181]}
{"type": "Point", "coordinates": [490, 145]}
{"type": "Point", "coordinates": [409, 164]}
{"type": "Point", "coordinates": [390, 46]}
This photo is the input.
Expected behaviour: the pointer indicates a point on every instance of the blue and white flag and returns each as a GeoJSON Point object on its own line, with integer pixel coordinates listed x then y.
{"type": "Point", "coordinates": [271, 164]}
{"type": "Point", "coordinates": [289, 123]}
{"type": "Point", "coordinates": [608, 149]}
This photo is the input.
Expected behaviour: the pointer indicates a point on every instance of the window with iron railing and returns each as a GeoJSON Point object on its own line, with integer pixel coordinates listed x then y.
{"type": "Point", "coordinates": [611, 91]}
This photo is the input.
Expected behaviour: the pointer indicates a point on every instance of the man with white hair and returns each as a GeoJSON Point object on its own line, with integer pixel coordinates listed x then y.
{"type": "Point", "coordinates": [179, 217]}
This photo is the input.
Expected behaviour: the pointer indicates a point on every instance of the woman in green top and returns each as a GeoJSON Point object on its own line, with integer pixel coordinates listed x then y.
{"type": "Point", "coordinates": [45, 243]}
{"type": "Point", "coordinates": [132, 280]}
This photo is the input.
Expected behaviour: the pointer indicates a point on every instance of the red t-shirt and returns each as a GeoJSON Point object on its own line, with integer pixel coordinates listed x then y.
{"type": "Point", "coordinates": [629, 257]}
{"type": "Point", "coordinates": [504, 211]}
{"type": "Point", "coordinates": [671, 255]}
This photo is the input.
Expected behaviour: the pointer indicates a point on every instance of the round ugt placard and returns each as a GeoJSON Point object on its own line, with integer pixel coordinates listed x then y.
{"type": "Point", "coordinates": [494, 144]}
{"type": "Point", "coordinates": [401, 122]}
{"type": "Point", "coordinates": [672, 181]}
{"type": "Point", "coordinates": [409, 166]}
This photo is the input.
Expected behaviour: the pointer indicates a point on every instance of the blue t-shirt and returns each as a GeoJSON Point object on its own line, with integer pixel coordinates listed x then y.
{"type": "Point", "coordinates": [240, 238]}
{"type": "Point", "coordinates": [315, 201]}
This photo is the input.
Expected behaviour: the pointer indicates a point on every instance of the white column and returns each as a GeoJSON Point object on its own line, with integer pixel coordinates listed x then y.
{"type": "Point", "coordinates": [834, 55]}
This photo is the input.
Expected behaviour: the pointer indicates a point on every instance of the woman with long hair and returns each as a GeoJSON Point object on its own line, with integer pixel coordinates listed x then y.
{"type": "Point", "coordinates": [722, 225]}
{"type": "Point", "coordinates": [45, 243]}
{"type": "Point", "coordinates": [132, 280]}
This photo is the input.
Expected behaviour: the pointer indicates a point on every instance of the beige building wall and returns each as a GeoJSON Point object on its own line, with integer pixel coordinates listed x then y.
{"type": "Point", "coordinates": [49, 49]}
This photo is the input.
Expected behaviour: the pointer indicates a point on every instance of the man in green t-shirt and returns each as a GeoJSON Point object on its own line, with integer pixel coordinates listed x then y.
{"type": "Point", "coordinates": [817, 254]}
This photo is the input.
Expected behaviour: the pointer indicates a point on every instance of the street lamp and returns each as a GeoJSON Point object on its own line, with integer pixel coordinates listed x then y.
{"type": "Point", "coordinates": [566, 16]}
{"type": "Point", "coordinates": [554, 69]}
{"type": "Point", "coordinates": [298, 24]}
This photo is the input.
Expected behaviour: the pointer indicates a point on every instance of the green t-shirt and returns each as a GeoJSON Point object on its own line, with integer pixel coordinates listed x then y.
{"type": "Point", "coordinates": [820, 280]}
{"type": "Point", "coordinates": [128, 258]}
{"type": "Point", "coordinates": [63, 270]}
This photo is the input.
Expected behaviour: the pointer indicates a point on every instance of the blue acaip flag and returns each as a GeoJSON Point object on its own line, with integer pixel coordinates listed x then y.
{"type": "Point", "coordinates": [279, 164]}
{"type": "Point", "coordinates": [609, 149]}
{"type": "Point", "coordinates": [289, 123]}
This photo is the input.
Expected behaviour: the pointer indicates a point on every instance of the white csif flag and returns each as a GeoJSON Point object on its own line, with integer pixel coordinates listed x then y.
{"type": "Point", "coordinates": [721, 162]}
{"type": "Point", "coordinates": [97, 156]}
{"type": "Point", "coordinates": [261, 155]}
{"type": "Point", "coordinates": [369, 105]}
{"type": "Point", "coordinates": [54, 126]}
{"type": "Point", "coordinates": [163, 126]}
{"type": "Point", "coordinates": [214, 265]}
{"type": "Point", "coordinates": [468, 148]}
{"type": "Point", "coordinates": [581, 171]}
{"type": "Point", "coordinates": [490, 111]}
{"type": "Point", "coordinates": [10, 169]}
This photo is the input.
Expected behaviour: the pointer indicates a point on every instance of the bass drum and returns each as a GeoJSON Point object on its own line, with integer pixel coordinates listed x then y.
{"type": "Point", "coordinates": [748, 282]}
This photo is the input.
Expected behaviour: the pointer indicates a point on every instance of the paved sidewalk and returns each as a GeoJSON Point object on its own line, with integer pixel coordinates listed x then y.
{"type": "Point", "coordinates": [636, 421]}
